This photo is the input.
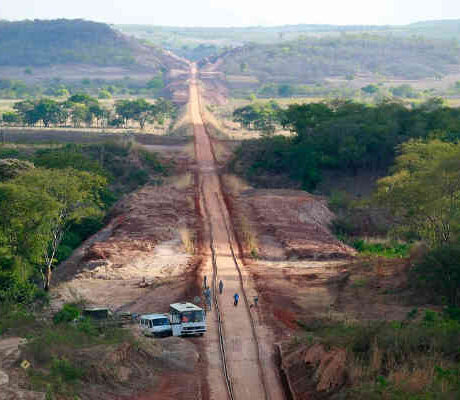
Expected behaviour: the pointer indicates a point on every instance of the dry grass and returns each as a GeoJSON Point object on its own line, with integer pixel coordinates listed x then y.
{"type": "Point", "coordinates": [181, 182]}
{"type": "Point", "coordinates": [184, 124]}
{"type": "Point", "coordinates": [188, 239]}
{"type": "Point", "coordinates": [234, 184]}
{"type": "Point", "coordinates": [247, 233]}
{"type": "Point", "coordinates": [222, 152]}
{"type": "Point", "coordinates": [189, 150]}
{"type": "Point", "coordinates": [213, 125]}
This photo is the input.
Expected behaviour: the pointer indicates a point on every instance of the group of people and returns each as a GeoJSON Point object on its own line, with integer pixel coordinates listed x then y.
{"type": "Point", "coordinates": [207, 294]}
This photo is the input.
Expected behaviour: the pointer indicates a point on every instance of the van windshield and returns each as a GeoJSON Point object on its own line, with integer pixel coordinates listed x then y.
{"type": "Point", "coordinates": [192, 316]}
{"type": "Point", "coordinates": [159, 322]}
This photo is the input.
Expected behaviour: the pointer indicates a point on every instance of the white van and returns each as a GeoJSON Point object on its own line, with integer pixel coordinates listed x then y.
{"type": "Point", "coordinates": [187, 319]}
{"type": "Point", "coordinates": [155, 325]}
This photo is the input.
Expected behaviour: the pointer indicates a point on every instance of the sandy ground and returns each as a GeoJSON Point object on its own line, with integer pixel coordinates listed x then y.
{"type": "Point", "coordinates": [251, 375]}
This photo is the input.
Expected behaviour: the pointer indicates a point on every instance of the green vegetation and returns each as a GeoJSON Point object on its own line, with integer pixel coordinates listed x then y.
{"type": "Point", "coordinates": [437, 276]}
{"type": "Point", "coordinates": [422, 191]}
{"type": "Point", "coordinates": [63, 354]}
{"type": "Point", "coordinates": [388, 250]}
{"type": "Point", "coordinates": [341, 135]}
{"type": "Point", "coordinates": [259, 116]}
{"type": "Point", "coordinates": [33, 43]}
{"type": "Point", "coordinates": [101, 88]}
{"type": "Point", "coordinates": [311, 59]}
{"type": "Point", "coordinates": [199, 43]}
{"type": "Point", "coordinates": [51, 203]}
{"type": "Point", "coordinates": [413, 359]}
{"type": "Point", "coordinates": [81, 109]}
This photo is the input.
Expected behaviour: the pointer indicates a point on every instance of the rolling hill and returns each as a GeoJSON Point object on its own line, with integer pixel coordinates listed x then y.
{"type": "Point", "coordinates": [196, 43]}
{"type": "Point", "coordinates": [308, 60]}
{"type": "Point", "coordinates": [74, 49]}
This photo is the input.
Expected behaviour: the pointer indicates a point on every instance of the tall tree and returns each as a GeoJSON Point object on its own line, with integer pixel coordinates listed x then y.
{"type": "Point", "coordinates": [74, 194]}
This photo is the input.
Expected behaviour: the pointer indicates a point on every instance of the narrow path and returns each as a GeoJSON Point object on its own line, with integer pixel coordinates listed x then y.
{"type": "Point", "coordinates": [231, 328]}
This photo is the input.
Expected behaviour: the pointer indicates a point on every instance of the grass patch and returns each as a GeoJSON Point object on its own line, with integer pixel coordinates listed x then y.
{"type": "Point", "coordinates": [413, 359]}
{"type": "Point", "coordinates": [388, 250]}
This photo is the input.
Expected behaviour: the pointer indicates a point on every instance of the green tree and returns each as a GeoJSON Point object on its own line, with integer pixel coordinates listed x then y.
{"type": "Point", "coordinates": [27, 111]}
{"type": "Point", "coordinates": [25, 215]}
{"type": "Point", "coordinates": [370, 89]}
{"type": "Point", "coordinates": [50, 112]}
{"type": "Point", "coordinates": [11, 118]}
{"type": "Point", "coordinates": [78, 114]}
{"type": "Point", "coordinates": [73, 195]}
{"type": "Point", "coordinates": [424, 190]}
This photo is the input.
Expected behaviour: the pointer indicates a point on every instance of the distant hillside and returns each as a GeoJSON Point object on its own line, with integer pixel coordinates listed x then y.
{"type": "Point", "coordinates": [196, 43]}
{"type": "Point", "coordinates": [56, 42]}
{"type": "Point", "coordinates": [38, 43]}
{"type": "Point", "coordinates": [312, 59]}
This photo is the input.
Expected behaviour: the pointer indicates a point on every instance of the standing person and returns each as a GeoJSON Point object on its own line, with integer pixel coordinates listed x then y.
{"type": "Point", "coordinates": [236, 296]}
{"type": "Point", "coordinates": [221, 286]}
{"type": "Point", "coordinates": [207, 295]}
{"type": "Point", "coordinates": [256, 300]}
{"type": "Point", "coordinates": [205, 282]}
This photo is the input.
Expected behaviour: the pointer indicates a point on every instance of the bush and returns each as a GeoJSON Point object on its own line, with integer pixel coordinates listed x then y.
{"type": "Point", "coordinates": [13, 290]}
{"type": "Point", "coordinates": [151, 161]}
{"type": "Point", "coordinates": [389, 250]}
{"type": "Point", "coordinates": [138, 177]}
{"type": "Point", "coordinates": [64, 369]}
{"type": "Point", "coordinates": [437, 276]}
{"type": "Point", "coordinates": [68, 313]}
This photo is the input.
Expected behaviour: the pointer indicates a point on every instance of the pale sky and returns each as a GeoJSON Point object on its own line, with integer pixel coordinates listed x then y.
{"type": "Point", "coordinates": [234, 12]}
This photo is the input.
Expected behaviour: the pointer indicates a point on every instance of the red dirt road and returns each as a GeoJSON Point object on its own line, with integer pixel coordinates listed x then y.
{"type": "Point", "coordinates": [251, 373]}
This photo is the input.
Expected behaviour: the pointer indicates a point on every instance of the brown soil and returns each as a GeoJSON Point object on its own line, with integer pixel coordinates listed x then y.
{"type": "Point", "coordinates": [141, 243]}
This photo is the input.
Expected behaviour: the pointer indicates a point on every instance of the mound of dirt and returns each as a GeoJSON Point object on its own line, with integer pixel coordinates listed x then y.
{"type": "Point", "coordinates": [313, 372]}
{"type": "Point", "coordinates": [145, 231]}
{"type": "Point", "coordinates": [297, 220]}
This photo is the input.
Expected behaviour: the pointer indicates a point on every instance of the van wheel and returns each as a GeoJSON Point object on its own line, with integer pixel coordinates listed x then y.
{"type": "Point", "coordinates": [201, 334]}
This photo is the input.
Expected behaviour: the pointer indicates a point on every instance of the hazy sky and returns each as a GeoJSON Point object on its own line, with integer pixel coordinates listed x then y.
{"type": "Point", "coordinates": [234, 12]}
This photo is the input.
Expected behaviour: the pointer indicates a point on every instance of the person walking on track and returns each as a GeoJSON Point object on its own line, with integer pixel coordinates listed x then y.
{"type": "Point", "coordinates": [236, 296]}
{"type": "Point", "coordinates": [221, 286]}
{"type": "Point", "coordinates": [207, 295]}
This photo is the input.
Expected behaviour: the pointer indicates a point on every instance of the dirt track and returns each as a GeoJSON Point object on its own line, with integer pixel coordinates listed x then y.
{"type": "Point", "coordinates": [248, 356]}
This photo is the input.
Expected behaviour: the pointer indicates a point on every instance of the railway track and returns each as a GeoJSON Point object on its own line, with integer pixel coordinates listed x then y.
{"type": "Point", "coordinates": [219, 313]}
{"type": "Point", "coordinates": [220, 327]}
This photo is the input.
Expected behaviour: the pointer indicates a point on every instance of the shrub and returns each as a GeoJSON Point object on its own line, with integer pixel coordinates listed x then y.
{"type": "Point", "coordinates": [437, 276]}
{"type": "Point", "coordinates": [64, 369]}
{"type": "Point", "coordinates": [68, 313]}
{"type": "Point", "coordinates": [13, 290]}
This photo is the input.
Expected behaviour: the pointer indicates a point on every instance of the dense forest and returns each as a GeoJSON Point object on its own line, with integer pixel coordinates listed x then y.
{"type": "Point", "coordinates": [340, 134]}
{"type": "Point", "coordinates": [309, 59]}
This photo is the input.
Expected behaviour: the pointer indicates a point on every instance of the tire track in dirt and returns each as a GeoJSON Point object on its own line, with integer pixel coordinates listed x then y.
{"type": "Point", "coordinates": [242, 352]}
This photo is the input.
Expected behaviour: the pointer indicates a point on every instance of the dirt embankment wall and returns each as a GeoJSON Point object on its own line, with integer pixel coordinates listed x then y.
{"type": "Point", "coordinates": [31, 135]}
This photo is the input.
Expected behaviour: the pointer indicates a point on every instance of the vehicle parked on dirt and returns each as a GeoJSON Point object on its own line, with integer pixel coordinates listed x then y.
{"type": "Point", "coordinates": [187, 319]}
{"type": "Point", "coordinates": [155, 325]}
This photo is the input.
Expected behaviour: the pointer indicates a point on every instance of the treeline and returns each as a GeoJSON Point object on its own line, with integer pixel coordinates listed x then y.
{"type": "Point", "coordinates": [310, 59]}
{"type": "Point", "coordinates": [101, 88]}
{"type": "Point", "coordinates": [418, 146]}
{"type": "Point", "coordinates": [340, 134]}
{"type": "Point", "coordinates": [42, 43]}
{"type": "Point", "coordinates": [52, 199]}
{"type": "Point", "coordinates": [82, 109]}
